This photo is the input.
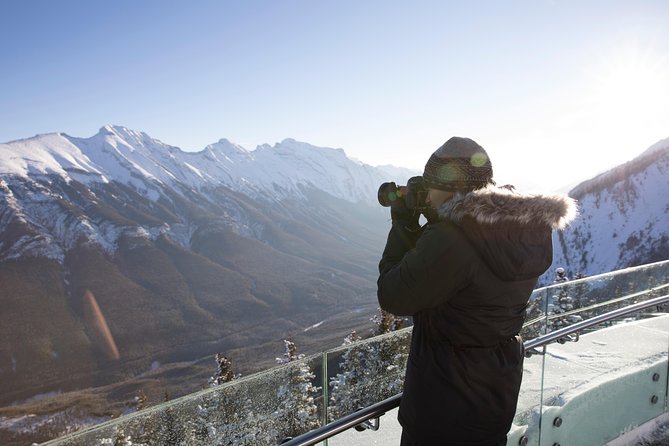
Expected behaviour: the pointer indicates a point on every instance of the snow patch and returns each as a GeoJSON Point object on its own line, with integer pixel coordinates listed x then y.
{"type": "Point", "coordinates": [316, 325]}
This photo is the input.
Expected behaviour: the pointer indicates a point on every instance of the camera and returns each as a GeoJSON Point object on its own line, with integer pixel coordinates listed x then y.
{"type": "Point", "coordinates": [413, 195]}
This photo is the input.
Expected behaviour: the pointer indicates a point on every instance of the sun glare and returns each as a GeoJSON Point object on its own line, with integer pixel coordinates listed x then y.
{"type": "Point", "coordinates": [631, 84]}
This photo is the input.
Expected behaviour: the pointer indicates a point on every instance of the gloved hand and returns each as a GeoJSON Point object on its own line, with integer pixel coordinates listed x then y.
{"type": "Point", "coordinates": [390, 195]}
{"type": "Point", "coordinates": [401, 214]}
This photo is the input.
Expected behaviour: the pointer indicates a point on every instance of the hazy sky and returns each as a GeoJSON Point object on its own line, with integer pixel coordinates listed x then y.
{"type": "Point", "coordinates": [556, 91]}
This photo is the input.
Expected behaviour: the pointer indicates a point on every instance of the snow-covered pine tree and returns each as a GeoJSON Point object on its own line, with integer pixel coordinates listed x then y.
{"type": "Point", "coordinates": [386, 359]}
{"type": "Point", "coordinates": [121, 439]}
{"type": "Point", "coordinates": [224, 371]}
{"type": "Point", "coordinates": [140, 400]}
{"type": "Point", "coordinates": [297, 412]}
{"type": "Point", "coordinates": [579, 291]}
{"type": "Point", "coordinates": [385, 322]}
{"type": "Point", "coordinates": [346, 392]}
{"type": "Point", "coordinates": [290, 354]}
{"type": "Point", "coordinates": [171, 431]}
{"type": "Point", "coordinates": [562, 303]}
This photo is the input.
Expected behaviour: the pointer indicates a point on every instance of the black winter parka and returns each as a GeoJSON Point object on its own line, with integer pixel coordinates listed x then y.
{"type": "Point", "coordinates": [466, 280]}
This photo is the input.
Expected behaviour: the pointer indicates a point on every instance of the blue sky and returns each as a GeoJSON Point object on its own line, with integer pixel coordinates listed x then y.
{"type": "Point", "coordinates": [556, 91]}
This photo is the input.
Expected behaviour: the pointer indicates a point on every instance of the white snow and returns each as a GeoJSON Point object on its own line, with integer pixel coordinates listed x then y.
{"type": "Point", "coordinates": [316, 325]}
{"type": "Point", "coordinates": [134, 158]}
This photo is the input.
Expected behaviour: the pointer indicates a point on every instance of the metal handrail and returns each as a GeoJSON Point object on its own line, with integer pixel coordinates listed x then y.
{"type": "Point", "coordinates": [578, 326]}
{"type": "Point", "coordinates": [345, 423]}
{"type": "Point", "coordinates": [377, 410]}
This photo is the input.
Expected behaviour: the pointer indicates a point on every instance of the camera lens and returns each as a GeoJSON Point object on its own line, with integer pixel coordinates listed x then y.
{"type": "Point", "coordinates": [387, 194]}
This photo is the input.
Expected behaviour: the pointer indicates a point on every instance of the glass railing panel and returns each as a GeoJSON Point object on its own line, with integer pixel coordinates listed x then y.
{"type": "Point", "coordinates": [262, 409]}
{"type": "Point", "coordinates": [581, 299]}
{"type": "Point", "coordinates": [524, 426]}
{"type": "Point", "coordinates": [607, 381]}
{"type": "Point", "coordinates": [366, 372]}
{"type": "Point", "coordinates": [258, 409]}
{"type": "Point", "coordinates": [535, 319]}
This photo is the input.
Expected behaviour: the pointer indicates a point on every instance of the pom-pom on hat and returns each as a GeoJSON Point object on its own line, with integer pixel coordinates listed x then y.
{"type": "Point", "coordinates": [460, 165]}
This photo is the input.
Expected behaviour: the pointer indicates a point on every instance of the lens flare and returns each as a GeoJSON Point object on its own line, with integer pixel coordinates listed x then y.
{"type": "Point", "coordinates": [98, 326]}
{"type": "Point", "coordinates": [478, 159]}
{"type": "Point", "coordinates": [448, 173]}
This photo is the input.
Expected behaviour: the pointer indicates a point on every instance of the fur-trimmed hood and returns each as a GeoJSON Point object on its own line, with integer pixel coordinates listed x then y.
{"type": "Point", "coordinates": [503, 205]}
{"type": "Point", "coordinates": [511, 231]}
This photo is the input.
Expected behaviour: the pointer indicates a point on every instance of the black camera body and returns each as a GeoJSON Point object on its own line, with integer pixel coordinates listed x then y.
{"type": "Point", "coordinates": [413, 195]}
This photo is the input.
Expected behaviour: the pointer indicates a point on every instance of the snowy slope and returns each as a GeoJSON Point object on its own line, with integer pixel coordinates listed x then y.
{"type": "Point", "coordinates": [624, 217]}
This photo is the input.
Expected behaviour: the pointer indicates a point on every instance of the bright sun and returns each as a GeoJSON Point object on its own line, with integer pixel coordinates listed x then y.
{"type": "Point", "coordinates": [631, 84]}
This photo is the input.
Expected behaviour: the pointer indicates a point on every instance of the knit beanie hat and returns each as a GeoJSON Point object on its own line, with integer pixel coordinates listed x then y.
{"type": "Point", "coordinates": [460, 165]}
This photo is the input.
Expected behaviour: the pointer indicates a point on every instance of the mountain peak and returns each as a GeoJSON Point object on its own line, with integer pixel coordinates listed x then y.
{"type": "Point", "coordinates": [117, 130]}
{"type": "Point", "coordinates": [638, 164]}
{"type": "Point", "coordinates": [126, 134]}
{"type": "Point", "coordinates": [225, 150]}
{"type": "Point", "coordinates": [662, 144]}
{"type": "Point", "coordinates": [295, 145]}
{"type": "Point", "coordinates": [106, 130]}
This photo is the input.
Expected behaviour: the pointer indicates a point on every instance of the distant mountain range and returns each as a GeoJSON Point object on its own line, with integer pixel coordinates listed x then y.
{"type": "Point", "coordinates": [119, 253]}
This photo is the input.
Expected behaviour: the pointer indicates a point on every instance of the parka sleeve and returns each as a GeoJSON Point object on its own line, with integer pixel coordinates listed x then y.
{"type": "Point", "coordinates": [424, 272]}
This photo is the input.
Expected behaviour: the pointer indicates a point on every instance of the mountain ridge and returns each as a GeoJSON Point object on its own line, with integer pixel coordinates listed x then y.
{"type": "Point", "coordinates": [119, 157]}
{"type": "Point", "coordinates": [116, 152]}
{"type": "Point", "coordinates": [624, 218]}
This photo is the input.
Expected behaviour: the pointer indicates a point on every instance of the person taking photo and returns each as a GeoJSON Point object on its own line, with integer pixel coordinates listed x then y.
{"type": "Point", "coordinates": [465, 277]}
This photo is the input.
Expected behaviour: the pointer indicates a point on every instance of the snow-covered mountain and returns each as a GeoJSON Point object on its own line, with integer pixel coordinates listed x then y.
{"type": "Point", "coordinates": [181, 254]}
{"type": "Point", "coordinates": [288, 170]}
{"type": "Point", "coordinates": [624, 217]}
{"type": "Point", "coordinates": [134, 158]}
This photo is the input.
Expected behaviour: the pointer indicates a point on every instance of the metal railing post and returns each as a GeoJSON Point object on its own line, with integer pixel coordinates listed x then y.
{"type": "Point", "coordinates": [325, 393]}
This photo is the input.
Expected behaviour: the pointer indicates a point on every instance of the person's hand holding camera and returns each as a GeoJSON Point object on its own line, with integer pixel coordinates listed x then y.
{"type": "Point", "coordinates": [405, 202]}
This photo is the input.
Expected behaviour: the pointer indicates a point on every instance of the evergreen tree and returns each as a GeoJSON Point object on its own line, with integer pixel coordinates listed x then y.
{"type": "Point", "coordinates": [290, 354]}
{"type": "Point", "coordinates": [535, 317]}
{"type": "Point", "coordinates": [169, 429]}
{"type": "Point", "coordinates": [386, 359]}
{"type": "Point", "coordinates": [297, 413]}
{"type": "Point", "coordinates": [562, 303]}
{"type": "Point", "coordinates": [580, 292]}
{"type": "Point", "coordinates": [140, 400]}
{"type": "Point", "coordinates": [385, 322]}
{"type": "Point", "coordinates": [121, 439]}
{"type": "Point", "coordinates": [346, 385]}
{"type": "Point", "coordinates": [224, 372]}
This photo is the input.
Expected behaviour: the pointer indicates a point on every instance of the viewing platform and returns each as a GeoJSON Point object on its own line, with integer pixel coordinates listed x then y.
{"type": "Point", "coordinates": [605, 383]}
{"type": "Point", "coordinates": [596, 372]}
